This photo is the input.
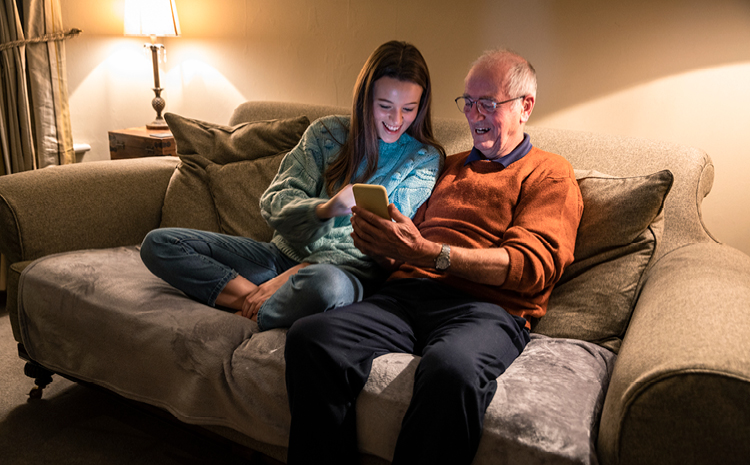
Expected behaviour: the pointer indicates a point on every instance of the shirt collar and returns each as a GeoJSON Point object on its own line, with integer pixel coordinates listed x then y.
{"type": "Point", "coordinates": [519, 152]}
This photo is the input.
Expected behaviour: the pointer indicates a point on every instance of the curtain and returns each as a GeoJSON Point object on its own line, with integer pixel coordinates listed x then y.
{"type": "Point", "coordinates": [34, 114]}
{"type": "Point", "coordinates": [35, 127]}
{"type": "Point", "coordinates": [15, 122]}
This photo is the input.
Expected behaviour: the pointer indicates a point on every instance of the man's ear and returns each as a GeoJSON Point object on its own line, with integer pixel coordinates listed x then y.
{"type": "Point", "coordinates": [527, 107]}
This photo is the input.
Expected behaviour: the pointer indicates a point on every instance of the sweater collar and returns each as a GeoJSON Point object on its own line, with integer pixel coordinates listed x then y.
{"type": "Point", "coordinates": [519, 152]}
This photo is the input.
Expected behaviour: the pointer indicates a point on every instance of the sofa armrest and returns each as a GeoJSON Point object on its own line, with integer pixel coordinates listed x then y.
{"type": "Point", "coordinates": [81, 206]}
{"type": "Point", "coordinates": [680, 388]}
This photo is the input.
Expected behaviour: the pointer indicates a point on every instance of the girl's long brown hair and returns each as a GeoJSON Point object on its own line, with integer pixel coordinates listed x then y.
{"type": "Point", "coordinates": [398, 60]}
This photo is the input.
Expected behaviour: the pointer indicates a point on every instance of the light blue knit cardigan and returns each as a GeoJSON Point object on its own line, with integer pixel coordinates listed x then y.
{"type": "Point", "coordinates": [406, 168]}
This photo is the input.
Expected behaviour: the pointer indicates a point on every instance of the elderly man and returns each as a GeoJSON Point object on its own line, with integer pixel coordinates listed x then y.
{"type": "Point", "coordinates": [475, 266]}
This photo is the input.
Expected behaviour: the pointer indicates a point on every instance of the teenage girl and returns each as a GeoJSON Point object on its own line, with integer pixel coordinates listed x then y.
{"type": "Point", "coordinates": [311, 264]}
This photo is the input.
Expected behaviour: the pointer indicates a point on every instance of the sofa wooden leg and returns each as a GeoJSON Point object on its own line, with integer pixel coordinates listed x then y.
{"type": "Point", "coordinates": [42, 378]}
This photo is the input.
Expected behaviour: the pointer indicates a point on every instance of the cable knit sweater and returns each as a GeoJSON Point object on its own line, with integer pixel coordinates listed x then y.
{"type": "Point", "coordinates": [406, 168]}
{"type": "Point", "coordinates": [532, 208]}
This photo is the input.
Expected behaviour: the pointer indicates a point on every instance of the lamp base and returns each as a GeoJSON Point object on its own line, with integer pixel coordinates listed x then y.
{"type": "Point", "coordinates": [158, 123]}
{"type": "Point", "coordinates": [158, 104]}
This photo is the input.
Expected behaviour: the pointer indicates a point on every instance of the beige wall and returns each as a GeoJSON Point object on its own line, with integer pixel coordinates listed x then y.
{"type": "Point", "coordinates": [675, 70]}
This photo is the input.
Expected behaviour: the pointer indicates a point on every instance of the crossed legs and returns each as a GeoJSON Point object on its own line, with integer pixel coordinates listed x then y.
{"type": "Point", "coordinates": [219, 269]}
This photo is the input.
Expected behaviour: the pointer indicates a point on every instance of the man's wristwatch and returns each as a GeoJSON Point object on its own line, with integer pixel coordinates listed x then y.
{"type": "Point", "coordinates": [443, 260]}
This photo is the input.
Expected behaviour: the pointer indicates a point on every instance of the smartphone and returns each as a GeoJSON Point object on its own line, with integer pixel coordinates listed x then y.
{"type": "Point", "coordinates": [373, 198]}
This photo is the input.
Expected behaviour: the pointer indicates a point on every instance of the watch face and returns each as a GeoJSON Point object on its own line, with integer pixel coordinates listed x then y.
{"type": "Point", "coordinates": [443, 260]}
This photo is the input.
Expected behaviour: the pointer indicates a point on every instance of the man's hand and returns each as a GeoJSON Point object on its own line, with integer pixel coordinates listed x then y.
{"type": "Point", "coordinates": [391, 242]}
{"type": "Point", "coordinates": [400, 241]}
{"type": "Point", "coordinates": [339, 205]}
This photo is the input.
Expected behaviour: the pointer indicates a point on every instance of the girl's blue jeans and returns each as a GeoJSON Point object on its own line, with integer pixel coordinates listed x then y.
{"type": "Point", "coordinates": [201, 263]}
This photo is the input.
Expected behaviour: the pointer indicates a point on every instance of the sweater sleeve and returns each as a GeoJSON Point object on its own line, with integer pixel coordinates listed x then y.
{"type": "Point", "coordinates": [541, 239]}
{"type": "Point", "coordinates": [288, 205]}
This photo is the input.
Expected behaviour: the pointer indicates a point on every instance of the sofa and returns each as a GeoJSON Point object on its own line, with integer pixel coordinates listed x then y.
{"type": "Point", "coordinates": [643, 356]}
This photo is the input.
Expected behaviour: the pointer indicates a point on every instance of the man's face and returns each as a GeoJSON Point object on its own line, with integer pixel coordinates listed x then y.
{"type": "Point", "coordinates": [495, 134]}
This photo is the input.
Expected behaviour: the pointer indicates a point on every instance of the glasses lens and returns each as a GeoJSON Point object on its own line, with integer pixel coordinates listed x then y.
{"type": "Point", "coordinates": [487, 106]}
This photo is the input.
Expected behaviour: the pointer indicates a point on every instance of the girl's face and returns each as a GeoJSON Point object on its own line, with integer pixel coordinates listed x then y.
{"type": "Point", "coordinates": [395, 106]}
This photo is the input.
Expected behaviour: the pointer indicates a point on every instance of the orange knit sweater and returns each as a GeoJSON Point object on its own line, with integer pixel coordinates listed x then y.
{"type": "Point", "coordinates": [532, 208]}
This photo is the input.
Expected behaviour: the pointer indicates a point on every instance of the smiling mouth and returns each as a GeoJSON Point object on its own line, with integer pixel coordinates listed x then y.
{"type": "Point", "coordinates": [391, 128]}
{"type": "Point", "coordinates": [481, 131]}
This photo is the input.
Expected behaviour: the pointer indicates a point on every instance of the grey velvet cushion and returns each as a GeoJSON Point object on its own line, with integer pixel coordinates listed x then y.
{"type": "Point", "coordinates": [621, 225]}
{"type": "Point", "coordinates": [223, 171]}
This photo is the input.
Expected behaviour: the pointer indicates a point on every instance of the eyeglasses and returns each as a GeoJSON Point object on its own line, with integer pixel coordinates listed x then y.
{"type": "Point", "coordinates": [485, 106]}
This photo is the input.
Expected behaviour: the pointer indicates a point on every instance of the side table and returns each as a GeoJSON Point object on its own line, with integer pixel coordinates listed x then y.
{"type": "Point", "coordinates": [141, 142]}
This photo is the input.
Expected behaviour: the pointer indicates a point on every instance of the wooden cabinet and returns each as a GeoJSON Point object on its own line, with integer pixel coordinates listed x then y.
{"type": "Point", "coordinates": [141, 142]}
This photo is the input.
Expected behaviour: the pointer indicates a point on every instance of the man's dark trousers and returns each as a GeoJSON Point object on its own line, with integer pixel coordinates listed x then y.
{"type": "Point", "coordinates": [465, 345]}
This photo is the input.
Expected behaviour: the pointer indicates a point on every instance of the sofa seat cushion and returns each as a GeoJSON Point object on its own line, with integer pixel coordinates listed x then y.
{"type": "Point", "coordinates": [102, 317]}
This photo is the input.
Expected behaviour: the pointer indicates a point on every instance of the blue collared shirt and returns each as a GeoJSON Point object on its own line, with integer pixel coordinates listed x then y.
{"type": "Point", "coordinates": [519, 152]}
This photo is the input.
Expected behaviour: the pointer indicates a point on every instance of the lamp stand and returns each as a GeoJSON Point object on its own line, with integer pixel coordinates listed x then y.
{"type": "Point", "coordinates": [158, 102]}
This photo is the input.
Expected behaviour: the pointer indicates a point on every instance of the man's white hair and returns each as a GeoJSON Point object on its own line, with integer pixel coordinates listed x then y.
{"type": "Point", "coordinates": [521, 77]}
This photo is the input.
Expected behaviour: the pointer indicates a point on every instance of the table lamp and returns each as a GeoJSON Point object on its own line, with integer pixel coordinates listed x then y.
{"type": "Point", "coordinates": [154, 18]}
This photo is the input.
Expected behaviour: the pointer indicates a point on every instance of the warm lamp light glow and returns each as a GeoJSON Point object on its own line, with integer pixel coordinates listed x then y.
{"type": "Point", "coordinates": [151, 18]}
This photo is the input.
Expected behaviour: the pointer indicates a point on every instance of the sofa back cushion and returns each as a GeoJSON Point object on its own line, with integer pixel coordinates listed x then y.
{"type": "Point", "coordinates": [621, 227]}
{"type": "Point", "coordinates": [223, 171]}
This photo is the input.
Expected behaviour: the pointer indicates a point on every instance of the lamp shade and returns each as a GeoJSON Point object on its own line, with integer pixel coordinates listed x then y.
{"type": "Point", "coordinates": [151, 18]}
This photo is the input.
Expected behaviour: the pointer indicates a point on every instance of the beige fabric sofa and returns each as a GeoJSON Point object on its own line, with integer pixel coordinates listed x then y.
{"type": "Point", "coordinates": [643, 358]}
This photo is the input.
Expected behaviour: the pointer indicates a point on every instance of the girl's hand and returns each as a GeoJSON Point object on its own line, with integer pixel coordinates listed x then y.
{"type": "Point", "coordinates": [339, 205]}
{"type": "Point", "coordinates": [256, 299]}
{"type": "Point", "coordinates": [258, 296]}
